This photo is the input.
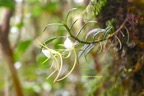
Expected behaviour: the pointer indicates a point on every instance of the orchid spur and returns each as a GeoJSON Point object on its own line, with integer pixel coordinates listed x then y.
{"type": "Point", "coordinates": [69, 45]}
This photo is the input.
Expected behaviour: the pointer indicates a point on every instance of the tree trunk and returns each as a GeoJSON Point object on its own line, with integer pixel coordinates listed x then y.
{"type": "Point", "coordinates": [7, 51]}
{"type": "Point", "coordinates": [131, 56]}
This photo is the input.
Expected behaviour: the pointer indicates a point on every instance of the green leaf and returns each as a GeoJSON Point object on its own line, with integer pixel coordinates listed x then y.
{"type": "Point", "coordinates": [69, 14]}
{"type": "Point", "coordinates": [51, 6]}
{"type": "Point", "coordinates": [52, 39]}
{"type": "Point", "coordinates": [20, 25]}
{"type": "Point", "coordinates": [53, 24]}
{"type": "Point", "coordinates": [40, 59]}
{"type": "Point", "coordinates": [94, 31]}
{"type": "Point", "coordinates": [74, 23]}
{"type": "Point", "coordinates": [108, 30]}
{"type": "Point", "coordinates": [22, 47]}
{"type": "Point", "coordinates": [37, 11]}
{"type": "Point", "coordinates": [89, 49]}
{"type": "Point", "coordinates": [84, 27]}
{"type": "Point", "coordinates": [7, 3]}
{"type": "Point", "coordinates": [97, 32]}
{"type": "Point", "coordinates": [57, 43]}
{"type": "Point", "coordinates": [83, 50]}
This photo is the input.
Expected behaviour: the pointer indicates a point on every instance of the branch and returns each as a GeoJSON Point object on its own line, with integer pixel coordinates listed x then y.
{"type": "Point", "coordinates": [90, 42]}
{"type": "Point", "coordinates": [8, 52]}
{"type": "Point", "coordinates": [5, 24]}
{"type": "Point", "coordinates": [77, 39]}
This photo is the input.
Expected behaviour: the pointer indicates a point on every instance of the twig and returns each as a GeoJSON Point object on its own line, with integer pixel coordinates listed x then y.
{"type": "Point", "coordinates": [90, 42]}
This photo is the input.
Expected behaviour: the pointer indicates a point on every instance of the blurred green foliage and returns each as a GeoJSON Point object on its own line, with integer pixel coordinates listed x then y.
{"type": "Point", "coordinates": [7, 3]}
{"type": "Point", "coordinates": [30, 21]}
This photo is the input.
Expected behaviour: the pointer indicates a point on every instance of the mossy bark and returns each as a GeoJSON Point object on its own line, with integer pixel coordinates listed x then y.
{"type": "Point", "coordinates": [131, 56]}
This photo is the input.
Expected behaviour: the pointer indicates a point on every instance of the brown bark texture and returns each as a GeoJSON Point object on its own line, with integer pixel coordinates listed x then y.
{"type": "Point", "coordinates": [8, 52]}
{"type": "Point", "coordinates": [131, 55]}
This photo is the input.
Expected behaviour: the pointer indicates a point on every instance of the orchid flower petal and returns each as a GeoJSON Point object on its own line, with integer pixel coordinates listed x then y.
{"type": "Point", "coordinates": [68, 44]}
{"type": "Point", "coordinates": [46, 53]}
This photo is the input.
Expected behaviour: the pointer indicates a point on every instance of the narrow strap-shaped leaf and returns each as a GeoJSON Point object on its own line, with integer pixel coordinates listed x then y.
{"type": "Point", "coordinates": [89, 49]}
{"type": "Point", "coordinates": [94, 31]}
{"type": "Point", "coordinates": [65, 21]}
{"type": "Point", "coordinates": [91, 32]}
{"type": "Point", "coordinates": [84, 27]}
{"type": "Point", "coordinates": [74, 23]}
{"type": "Point", "coordinates": [82, 50]}
{"type": "Point", "coordinates": [50, 40]}
{"type": "Point", "coordinates": [97, 34]}
{"type": "Point", "coordinates": [42, 45]}
{"type": "Point", "coordinates": [52, 24]}
{"type": "Point", "coordinates": [108, 30]}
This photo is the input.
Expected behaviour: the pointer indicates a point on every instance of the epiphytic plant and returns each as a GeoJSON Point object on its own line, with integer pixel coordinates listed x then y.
{"type": "Point", "coordinates": [58, 55]}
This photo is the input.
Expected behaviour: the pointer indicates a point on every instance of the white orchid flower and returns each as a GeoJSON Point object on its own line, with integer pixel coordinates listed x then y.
{"type": "Point", "coordinates": [55, 56]}
{"type": "Point", "coordinates": [46, 53]}
{"type": "Point", "coordinates": [68, 44]}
